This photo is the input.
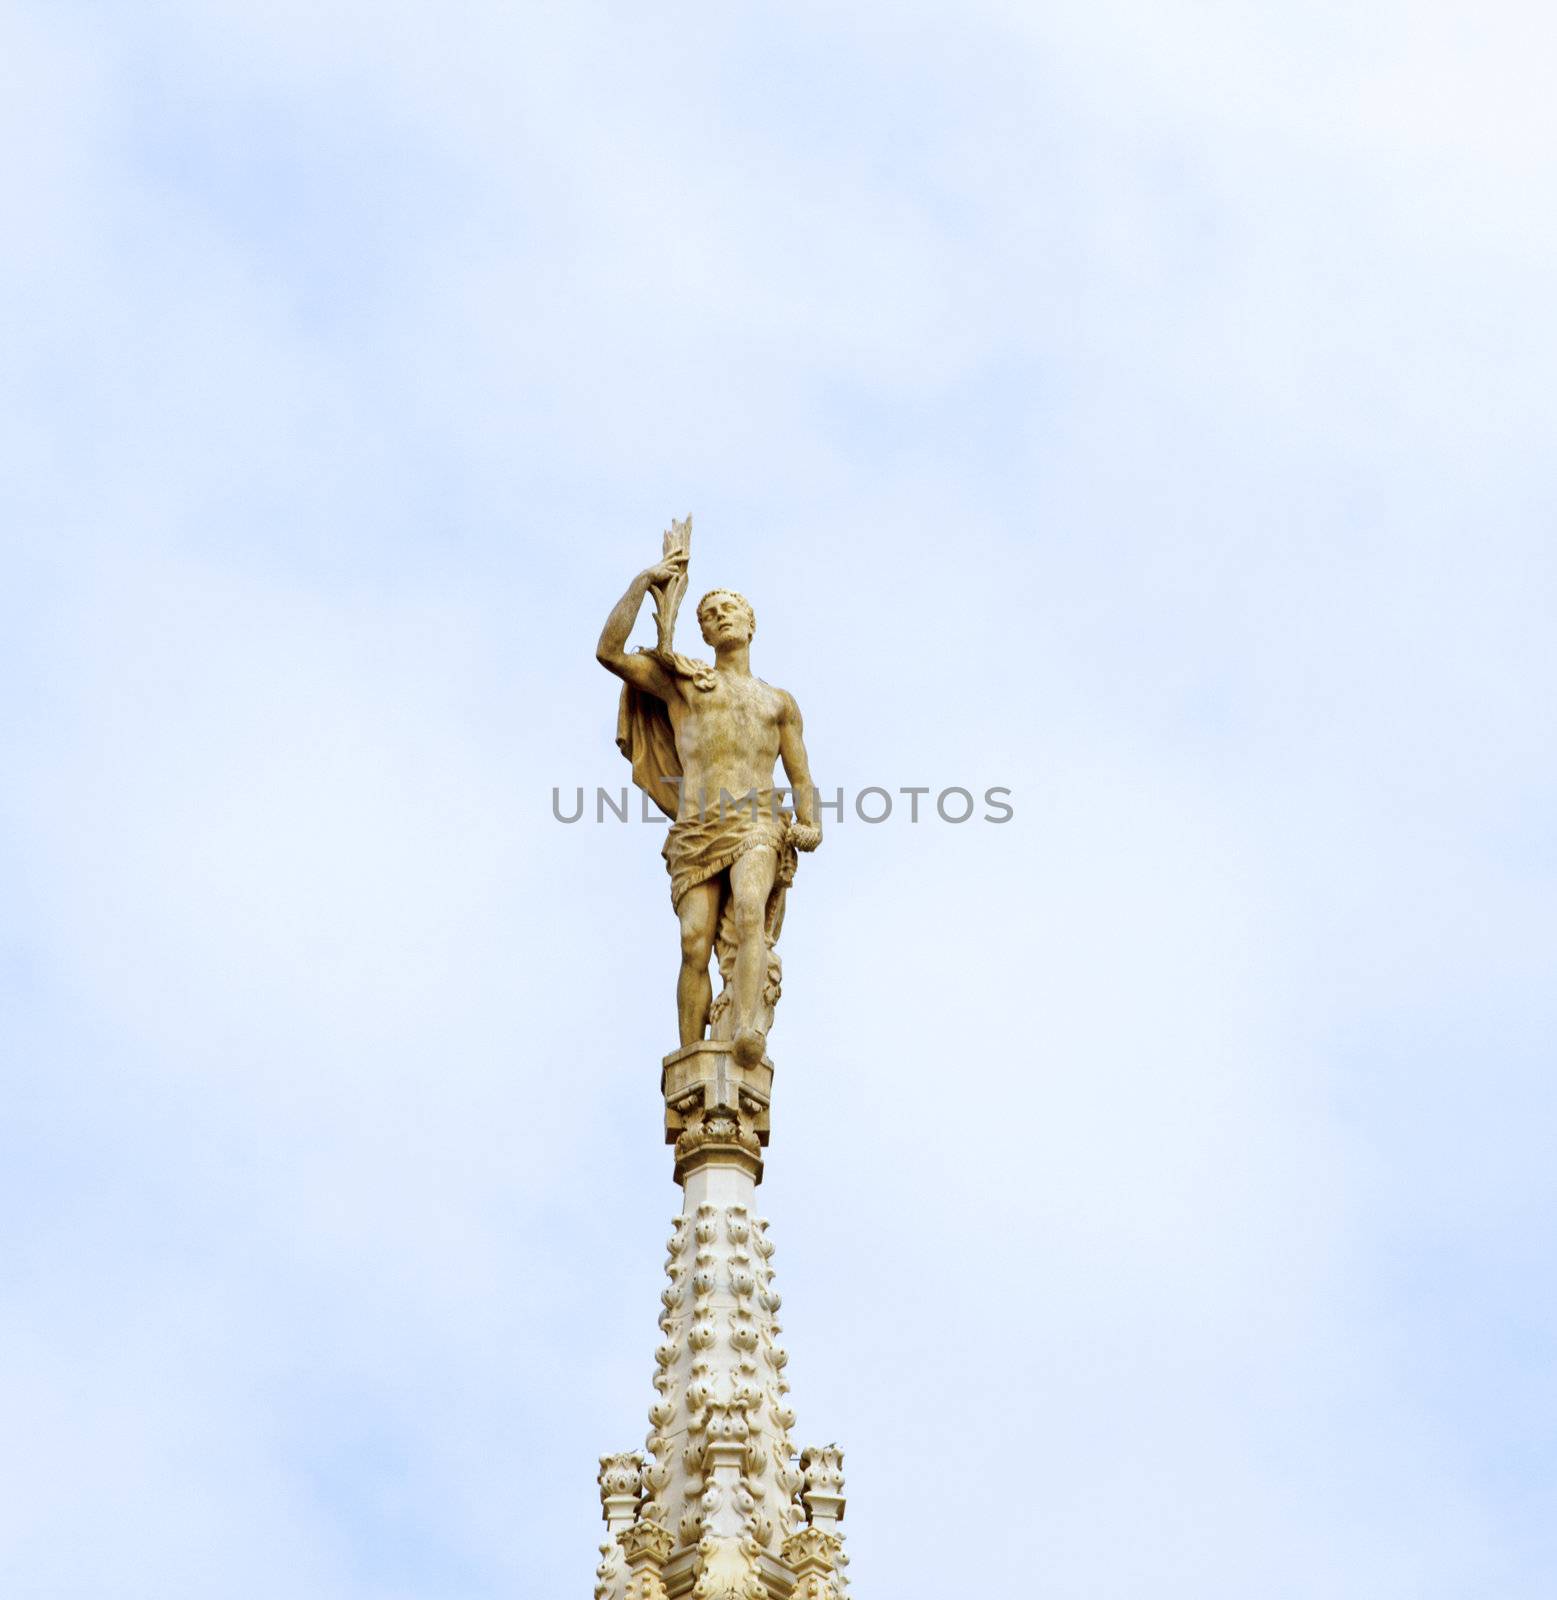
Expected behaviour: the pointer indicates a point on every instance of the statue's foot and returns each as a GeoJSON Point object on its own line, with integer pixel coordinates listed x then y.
{"type": "Point", "coordinates": [749, 1045]}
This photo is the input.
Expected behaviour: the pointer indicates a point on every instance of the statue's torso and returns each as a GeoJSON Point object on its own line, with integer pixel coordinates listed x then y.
{"type": "Point", "coordinates": [727, 737]}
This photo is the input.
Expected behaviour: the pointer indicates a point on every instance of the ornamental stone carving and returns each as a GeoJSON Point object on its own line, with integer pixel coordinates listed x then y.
{"type": "Point", "coordinates": [621, 1488]}
{"type": "Point", "coordinates": [811, 1555]}
{"type": "Point", "coordinates": [822, 1469]}
{"type": "Point", "coordinates": [646, 1548]}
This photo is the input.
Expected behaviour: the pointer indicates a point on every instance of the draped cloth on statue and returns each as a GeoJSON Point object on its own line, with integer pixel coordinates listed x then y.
{"type": "Point", "coordinates": [702, 846]}
{"type": "Point", "coordinates": [644, 735]}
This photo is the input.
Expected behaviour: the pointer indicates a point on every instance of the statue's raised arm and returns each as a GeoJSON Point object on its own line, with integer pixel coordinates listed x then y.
{"type": "Point", "coordinates": [641, 668]}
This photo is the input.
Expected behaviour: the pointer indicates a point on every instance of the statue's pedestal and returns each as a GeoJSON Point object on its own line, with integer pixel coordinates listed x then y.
{"type": "Point", "coordinates": [716, 1110]}
{"type": "Point", "coordinates": [720, 1507]}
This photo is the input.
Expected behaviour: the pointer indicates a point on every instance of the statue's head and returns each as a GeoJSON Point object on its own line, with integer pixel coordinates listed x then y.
{"type": "Point", "coordinates": [726, 618]}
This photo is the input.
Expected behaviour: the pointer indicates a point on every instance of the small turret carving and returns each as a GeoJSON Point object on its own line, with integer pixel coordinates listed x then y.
{"type": "Point", "coordinates": [823, 1496]}
{"type": "Point", "coordinates": [621, 1488]}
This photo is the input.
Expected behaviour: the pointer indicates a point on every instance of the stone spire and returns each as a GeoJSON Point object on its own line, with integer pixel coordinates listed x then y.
{"type": "Point", "coordinates": [721, 1506]}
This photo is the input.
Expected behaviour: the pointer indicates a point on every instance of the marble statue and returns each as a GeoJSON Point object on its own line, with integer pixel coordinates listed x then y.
{"type": "Point", "coordinates": [703, 741]}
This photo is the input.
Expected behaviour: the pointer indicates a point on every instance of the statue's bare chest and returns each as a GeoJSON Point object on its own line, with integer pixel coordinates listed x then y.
{"type": "Point", "coordinates": [740, 716]}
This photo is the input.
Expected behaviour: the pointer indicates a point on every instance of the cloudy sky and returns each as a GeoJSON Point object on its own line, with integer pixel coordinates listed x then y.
{"type": "Point", "coordinates": [1144, 405]}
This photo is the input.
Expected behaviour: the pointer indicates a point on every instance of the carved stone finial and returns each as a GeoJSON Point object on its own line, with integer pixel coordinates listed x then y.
{"type": "Point", "coordinates": [621, 1489]}
{"type": "Point", "coordinates": [822, 1469]}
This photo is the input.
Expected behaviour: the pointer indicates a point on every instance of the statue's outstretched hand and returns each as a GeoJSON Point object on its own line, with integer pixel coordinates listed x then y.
{"type": "Point", "coordinates": [803, 836]}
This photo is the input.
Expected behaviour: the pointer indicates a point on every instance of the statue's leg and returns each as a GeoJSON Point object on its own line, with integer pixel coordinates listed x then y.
{"type": "Point", "coordinates": [699, 914]}
{"type": "Point", "coordinates": [751, 882]}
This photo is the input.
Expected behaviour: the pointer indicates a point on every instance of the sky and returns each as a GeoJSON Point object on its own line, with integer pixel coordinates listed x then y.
{"type": "Point", "coordinates": [1141, 405]}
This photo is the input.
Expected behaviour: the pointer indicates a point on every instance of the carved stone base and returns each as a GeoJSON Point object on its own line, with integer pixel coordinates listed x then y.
{"type": "Point", "coordinates": [716, 1110]}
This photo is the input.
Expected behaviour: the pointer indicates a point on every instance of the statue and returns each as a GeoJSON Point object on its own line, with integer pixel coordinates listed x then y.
{"type": "Point", "coordinates": [702, 741]}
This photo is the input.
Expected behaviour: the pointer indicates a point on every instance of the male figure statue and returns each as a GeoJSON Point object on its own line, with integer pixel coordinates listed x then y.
{"type": "Point", "coordinates": [714, 734]}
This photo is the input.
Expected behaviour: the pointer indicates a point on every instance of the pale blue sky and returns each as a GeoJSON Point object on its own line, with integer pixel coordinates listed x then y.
{"type": "Point", "coordinates": [1141, 405]}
